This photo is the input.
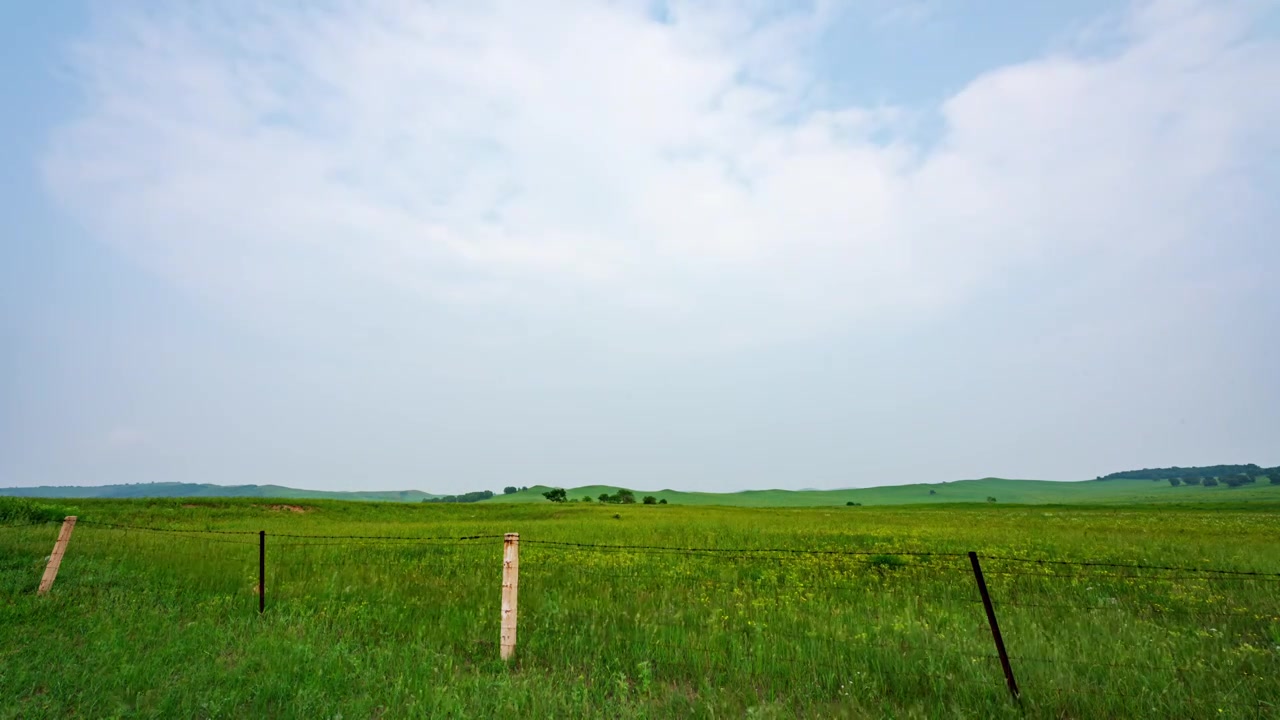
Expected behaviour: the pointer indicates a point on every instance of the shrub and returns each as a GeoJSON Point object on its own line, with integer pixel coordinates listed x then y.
{"type": "Point", "coordinates": [510, 490]}
{"type": "Point", "coordinates": [650, 500]}
{"type": "Point", "coordinates": [555, 495]}
{"type": "Point", "coordinates": [16, 511]}
{"type": "Point", "coordinates": [990, 499]}
{"type": "Point", "coordinates": [1210, 482]}
{"type": "Point", "coordinates": [1175, 482]}
{"type": "Point", "coordinates": [853, 504]}
{"type": "Point", "coordinates": [587, 498]}
{"type": "Point", "coordinates": [1191, 481]}
{"type": "Point", "coordinates": [663, 501]}
{"type": "Point", "coordinates": [622, 497]}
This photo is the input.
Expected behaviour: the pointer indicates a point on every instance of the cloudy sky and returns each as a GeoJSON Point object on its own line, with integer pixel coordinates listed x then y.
{"type": "Point", "coordinates": [700, 245]}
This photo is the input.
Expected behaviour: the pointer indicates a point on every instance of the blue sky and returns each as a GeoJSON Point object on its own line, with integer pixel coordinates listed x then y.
{"type": "Point", "coordinates": [699, 245]}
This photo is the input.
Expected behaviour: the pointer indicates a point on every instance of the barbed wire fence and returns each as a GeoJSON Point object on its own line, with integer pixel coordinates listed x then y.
{"type": "Point", "coordinates": [907, 627]}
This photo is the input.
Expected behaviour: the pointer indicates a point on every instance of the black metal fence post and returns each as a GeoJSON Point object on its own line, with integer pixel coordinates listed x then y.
{"type": "Point", "coordinates": [261, 572]}
{"type": "Point", "coordinates": [995, 626]}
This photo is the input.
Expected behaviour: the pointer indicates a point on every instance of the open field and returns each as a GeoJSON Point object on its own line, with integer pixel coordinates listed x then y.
{"type": "Point", "coordinates": [821, 612]}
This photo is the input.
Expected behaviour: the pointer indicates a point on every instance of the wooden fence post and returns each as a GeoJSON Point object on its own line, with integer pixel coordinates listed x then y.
{"type": "Point", "coordinates": [510, 587]}
{"type": "Point", "coordinates": [995, 627]}
{"type": "Point", "coordinates": [55, 560]}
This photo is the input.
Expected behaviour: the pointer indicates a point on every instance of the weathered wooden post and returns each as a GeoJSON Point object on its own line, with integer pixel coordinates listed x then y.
{"type": "Point", "coordinates": [55, 560]}
{"type": "Point", "coordinates": [510, 588]}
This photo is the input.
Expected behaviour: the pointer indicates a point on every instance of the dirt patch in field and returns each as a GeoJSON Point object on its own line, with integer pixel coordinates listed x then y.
{"type": "Point", "coordinates": [289, 508]}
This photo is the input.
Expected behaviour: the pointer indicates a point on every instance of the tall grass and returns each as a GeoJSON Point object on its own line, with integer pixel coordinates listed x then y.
{"type": "Point", "coordinates": [17, 511]}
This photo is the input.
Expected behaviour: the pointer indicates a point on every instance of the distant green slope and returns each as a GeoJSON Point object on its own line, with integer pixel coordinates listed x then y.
{"type": "Point", "coordinates": [168, 490]}
{"type": "Point", "coordinates": [1116, 491]}
{"type": "Point", "coordinates": [1031, 492]}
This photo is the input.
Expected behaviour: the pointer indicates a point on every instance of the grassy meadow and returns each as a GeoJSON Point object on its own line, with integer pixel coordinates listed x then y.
{"type": "Point", "coordinates": [1088, 492]}
{"type": "Point", "coordinates": [847, 612]}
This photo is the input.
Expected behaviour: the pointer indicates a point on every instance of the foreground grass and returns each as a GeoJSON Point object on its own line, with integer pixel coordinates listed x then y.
{"type": "Point", "coordinates": [166, 625]}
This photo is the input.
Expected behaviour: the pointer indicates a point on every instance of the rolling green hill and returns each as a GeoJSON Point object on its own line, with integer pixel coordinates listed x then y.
{"type": "Point", "coordinates": [1108, 491]}
{"type": "Point", "coordinates": [961, 491]}
{"type": "Point", "coordinates": [169, 490]}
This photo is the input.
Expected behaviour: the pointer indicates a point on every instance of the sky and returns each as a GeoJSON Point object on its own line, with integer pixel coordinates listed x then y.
{"type": "Point", "coordinates": [357, 245]}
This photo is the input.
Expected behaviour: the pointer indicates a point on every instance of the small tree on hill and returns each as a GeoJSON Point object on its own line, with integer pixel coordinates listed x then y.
{"type": "Point", "coordinates": [556, 495]}
{"type": "Point", "coordinates": [1175, 482]}
{"type": "Point", "coordinates": [510, 490]}
{"type": "Point", "coordinates": [587, 498]}
{"type": "Point", "coordinates": [650, 500]}
{"type": "Point", "coordinates": [605, 498]}
{"type": "Point", "coordinates": [626, 497]}
{"type": "Point", "coordinates": [990, 499]}
{"type": "Point", "coordinates": [663, 501]}
{"type": "Point", "coordinates": [933, 492]}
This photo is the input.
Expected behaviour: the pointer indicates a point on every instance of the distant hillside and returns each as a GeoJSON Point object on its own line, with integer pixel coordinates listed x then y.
{"type": "Point", "coordinates": [164, 490]}
{"type": "Point", "coordinates": [1114, 490]}
{"type": "Point", "coordinates": [960, 491]}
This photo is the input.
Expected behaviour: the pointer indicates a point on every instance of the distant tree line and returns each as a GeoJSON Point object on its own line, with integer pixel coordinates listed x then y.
{"type": "Point", "coordinates": [1217, 471]}
{"type": "Point", "coordinates": [622, 497]}
{"type": "Point", "coordinates": [476, 496]}
{"type": "Point", "coordinates": [1271, 475]}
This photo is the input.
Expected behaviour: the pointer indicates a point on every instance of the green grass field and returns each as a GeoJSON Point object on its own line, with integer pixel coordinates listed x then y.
{"type": "Point", "coordinates": [849, 624]}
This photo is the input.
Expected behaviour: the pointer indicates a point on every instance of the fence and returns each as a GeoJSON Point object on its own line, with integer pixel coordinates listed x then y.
{"type": "Point", "coordinates": [905, 627]}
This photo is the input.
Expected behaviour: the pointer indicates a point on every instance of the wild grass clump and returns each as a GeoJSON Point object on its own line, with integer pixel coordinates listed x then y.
{"type": "Point", "coordinates": [15, 511]}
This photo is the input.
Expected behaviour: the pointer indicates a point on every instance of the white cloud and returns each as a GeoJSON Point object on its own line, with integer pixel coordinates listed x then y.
{"type": "Point", "coordinates": [672, 176]}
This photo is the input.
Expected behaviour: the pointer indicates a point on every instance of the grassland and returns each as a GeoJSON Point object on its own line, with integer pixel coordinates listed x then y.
{"type": "Point", "coordinates": [850, 624]}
